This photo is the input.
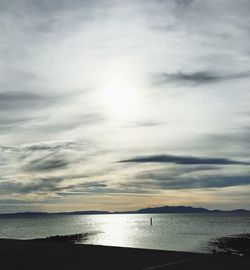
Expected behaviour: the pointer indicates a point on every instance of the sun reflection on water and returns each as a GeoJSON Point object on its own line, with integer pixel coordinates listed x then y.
{"type": "Point", "coordinates": [119, 230]}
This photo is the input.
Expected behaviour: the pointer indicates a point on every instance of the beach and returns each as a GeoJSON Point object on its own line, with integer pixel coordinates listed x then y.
{"type": "Point", "coordinates": [35, 254]}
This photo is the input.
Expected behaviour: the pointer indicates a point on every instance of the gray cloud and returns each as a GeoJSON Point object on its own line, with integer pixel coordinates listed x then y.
{"type": "Point", "coordinates": [236, 138]}
{"type": "Point", "coordinates": [52, 146]}
{"type": "Point", "coordinates": [16, 187]}
{"type": "Point", "coordinates": [55, 185]}
{"type": "Point", "coordinates": [166, 181]}
{"type": "Point", "coordinates": [82, 188]}
{"type": "Point", "coordinates": [184, 160]}
{"type": "Point", "coordinates": [7, 202]}
{"type": "Point", "coordinates": [70, 123]}
{"type": "Point", "coordinates": [41, 185]}
{"type": "Point", "coordinates": [9, 123]}
{"type": "Point", "coordinates": [46, 165]}
{"type": "Point", "coordinates": [142, 124]}
{"type": "Point", "coordinates": [23, 100]}
{"type": "Point", "coordinates": [177, 171]}
{"type": "Point", "coordinates": [201, 77]}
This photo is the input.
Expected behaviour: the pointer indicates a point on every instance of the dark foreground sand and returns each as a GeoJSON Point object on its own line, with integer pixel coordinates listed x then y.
{"type": "Point", "coordinates": [33, 254]}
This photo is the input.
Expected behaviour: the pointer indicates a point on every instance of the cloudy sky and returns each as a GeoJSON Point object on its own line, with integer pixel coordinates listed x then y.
{"type": "Point", "coordinates": [116, 105]}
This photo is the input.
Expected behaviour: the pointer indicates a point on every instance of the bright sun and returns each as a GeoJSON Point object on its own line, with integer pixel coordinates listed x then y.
{"type": "Point", "coordinates": [121, 102]}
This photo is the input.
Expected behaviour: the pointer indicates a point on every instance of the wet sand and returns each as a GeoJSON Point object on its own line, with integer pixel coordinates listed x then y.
{"type": "Point", "coordinates": [33, 254]}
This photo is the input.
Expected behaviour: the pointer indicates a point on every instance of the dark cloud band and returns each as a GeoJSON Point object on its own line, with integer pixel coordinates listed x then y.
{"type": "Point", "coordinates": [183, 160]}
{"type": "Point", "coordinates": [201, 77]}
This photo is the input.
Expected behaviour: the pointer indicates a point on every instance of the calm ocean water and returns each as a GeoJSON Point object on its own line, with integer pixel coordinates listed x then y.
{"type": "Point", "coordinates": [181, 232]}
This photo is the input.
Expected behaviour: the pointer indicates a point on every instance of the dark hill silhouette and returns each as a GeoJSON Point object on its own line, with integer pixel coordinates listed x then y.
{"type": "Point", "coordinates": [174, 209]}
{"type": "Point", "coordinates": [150, 210]}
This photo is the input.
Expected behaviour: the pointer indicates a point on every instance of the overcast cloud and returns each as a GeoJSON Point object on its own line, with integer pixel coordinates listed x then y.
{"type": "Point", "coordinates": [124, 104]}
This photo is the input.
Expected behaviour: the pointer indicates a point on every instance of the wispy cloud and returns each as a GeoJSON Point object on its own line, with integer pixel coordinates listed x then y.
{"type": "Point", "coordinates": [44, 146]}
{"type": "Point", "coordinates": [52, 185]}
{"type": "Point", "coordinates": [189, 177]}
{"type": "Point", "coordinates": [47, 164]}
{"type": "Point", "coordinates": [52, 146]}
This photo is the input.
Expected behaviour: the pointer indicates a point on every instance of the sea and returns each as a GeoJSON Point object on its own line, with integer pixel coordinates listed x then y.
{"type": "Point", "coordinates": [179, 232]}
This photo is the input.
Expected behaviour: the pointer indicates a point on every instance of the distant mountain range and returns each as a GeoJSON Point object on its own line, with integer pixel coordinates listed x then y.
{"type": "Point", "coordinates": [153, 210]}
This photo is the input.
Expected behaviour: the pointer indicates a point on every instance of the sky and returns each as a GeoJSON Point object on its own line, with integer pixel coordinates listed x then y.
{"type": "Point", "coordinates": [121, 105]}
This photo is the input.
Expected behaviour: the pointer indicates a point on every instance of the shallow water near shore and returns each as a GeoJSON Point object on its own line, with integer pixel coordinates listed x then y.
{"type": "Point", "coordinates": [179, 232]}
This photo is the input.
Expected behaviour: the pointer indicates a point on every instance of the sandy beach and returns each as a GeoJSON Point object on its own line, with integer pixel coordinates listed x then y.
{"type": "Point", "coordinates": [33, 254]}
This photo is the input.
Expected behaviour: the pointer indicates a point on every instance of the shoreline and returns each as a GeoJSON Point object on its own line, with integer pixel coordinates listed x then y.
{"type": "Point", "coordinates": [37, 254]}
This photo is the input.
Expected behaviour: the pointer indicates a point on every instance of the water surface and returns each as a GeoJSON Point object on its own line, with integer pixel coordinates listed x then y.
{"type": "Point", "coordinates": [180, 232]}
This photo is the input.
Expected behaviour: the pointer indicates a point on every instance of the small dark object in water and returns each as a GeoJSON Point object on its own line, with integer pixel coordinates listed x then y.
{"type": "Point", "coordinates": [151, 222]}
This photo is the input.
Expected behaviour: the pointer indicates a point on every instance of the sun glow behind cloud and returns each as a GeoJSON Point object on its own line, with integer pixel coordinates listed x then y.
{"type": "Point", "coordinates": [120, 88]}
{"type": "Point", "coordinates": [121, 101]}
